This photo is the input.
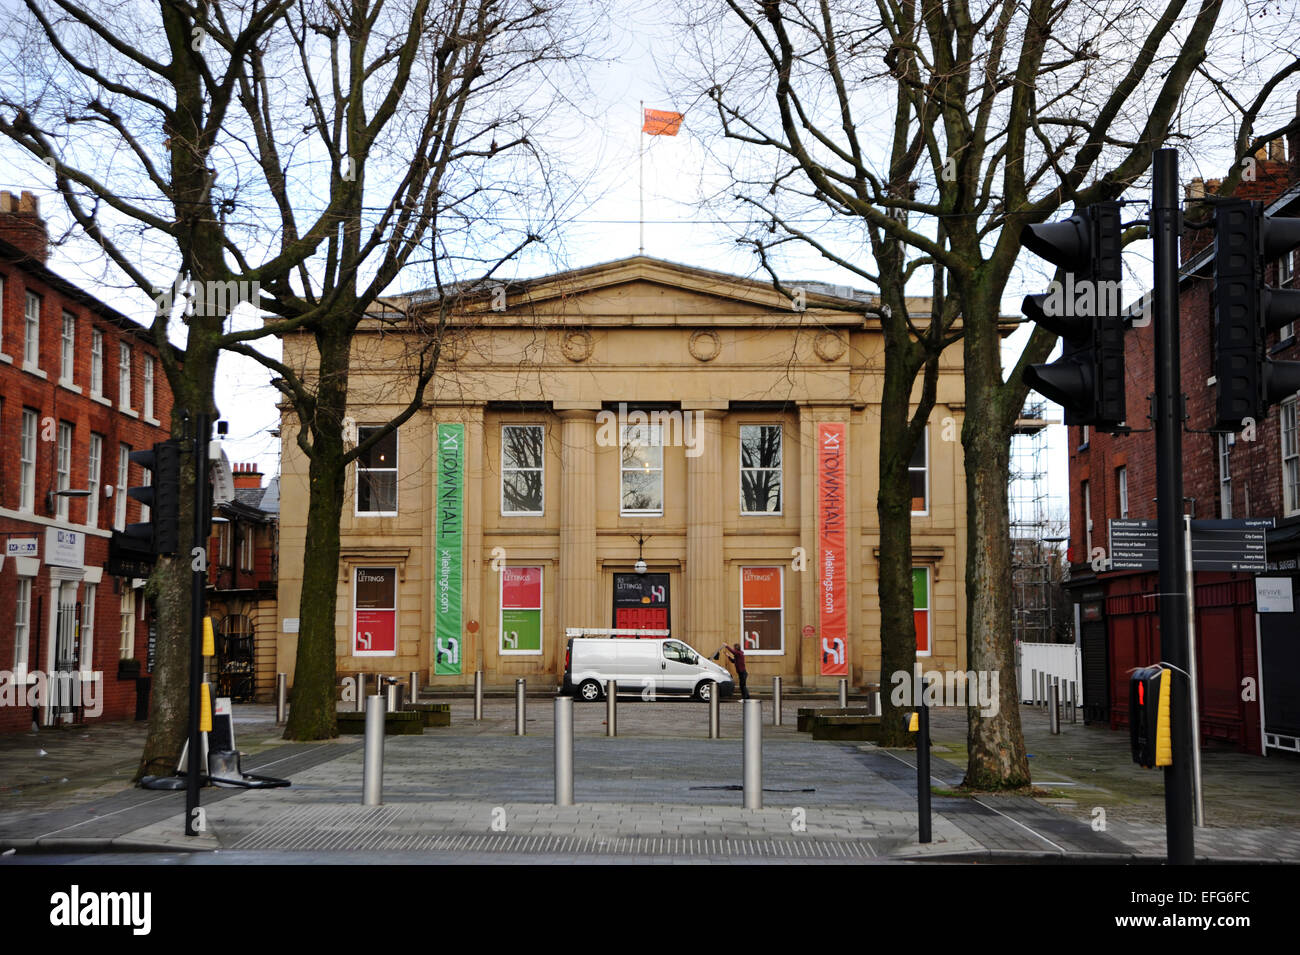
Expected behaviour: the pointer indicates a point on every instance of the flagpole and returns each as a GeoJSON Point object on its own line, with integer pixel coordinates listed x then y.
{"type": "Point", "coordinates": [641, 163]}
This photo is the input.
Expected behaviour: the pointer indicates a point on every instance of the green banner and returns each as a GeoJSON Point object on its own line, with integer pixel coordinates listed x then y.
{"type": "Point", "coordinates": [521, 630]}
{"type": "Point", "coordinates": [449, 532]}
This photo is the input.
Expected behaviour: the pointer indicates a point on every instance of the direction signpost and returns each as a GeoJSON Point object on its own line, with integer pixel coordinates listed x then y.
{"type": "Point", "coordinates": [1231, 545]}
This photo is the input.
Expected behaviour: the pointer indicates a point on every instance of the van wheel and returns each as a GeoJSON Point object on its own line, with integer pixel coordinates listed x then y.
{"type": "Point", "coordinates": [589, 690]}
{"type": "Point", "coordinates": [703, 690]}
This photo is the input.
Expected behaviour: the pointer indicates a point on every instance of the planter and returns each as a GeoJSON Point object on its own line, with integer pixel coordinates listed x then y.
{"type": "Point", "coordinates": [435, 714]}
{"type": "Point", "coordinates": [846, 728]}
{"type": "Point", "coordinates": [395, 724]}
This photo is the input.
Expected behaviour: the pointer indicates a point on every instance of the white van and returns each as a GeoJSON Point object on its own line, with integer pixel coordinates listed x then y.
{"type": "Point", "coordinates": [660, 664]}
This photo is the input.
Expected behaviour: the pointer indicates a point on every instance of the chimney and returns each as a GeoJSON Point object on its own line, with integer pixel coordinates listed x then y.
{"type": "Point", "coordinates": [247, 476]}
{"type": "Point", "coordinates": [21, 225]}
{"type": "Point", "coordinates": [1195, 189]}
{"type": "Point", "coordinates": [1277, 149]}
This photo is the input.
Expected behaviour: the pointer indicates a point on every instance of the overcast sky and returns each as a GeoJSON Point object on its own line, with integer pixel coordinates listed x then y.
{"type": "Point", "coordinates": [642, 56]}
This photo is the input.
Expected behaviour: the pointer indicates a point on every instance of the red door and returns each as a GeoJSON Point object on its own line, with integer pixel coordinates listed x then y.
{"type": "Point", "coordinates": [641, 618]}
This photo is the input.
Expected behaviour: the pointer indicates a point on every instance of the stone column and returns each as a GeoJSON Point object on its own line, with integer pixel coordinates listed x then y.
{"type": "Point", "coordinates": [706, 584]}
{"type": "Point", "coordinates": [579, 583]}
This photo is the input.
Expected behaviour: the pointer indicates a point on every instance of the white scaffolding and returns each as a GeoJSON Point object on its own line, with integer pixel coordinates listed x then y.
{"type": "Point", "coordinates": [1031, 597]}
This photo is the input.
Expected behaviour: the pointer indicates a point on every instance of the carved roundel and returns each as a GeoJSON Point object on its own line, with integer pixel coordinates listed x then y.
{"type": "Point", "coordinates": [705, 345]}
{"type": "Point", "coordinates": [577, 346]}
{"type": "Point", "coordinates": [829, 346]}
{"type": "Point", "coordinates": [454, 345]}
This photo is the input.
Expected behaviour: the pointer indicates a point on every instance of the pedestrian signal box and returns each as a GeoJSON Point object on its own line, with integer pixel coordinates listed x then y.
{"type": "Point", "coordinates": [1149, 702]}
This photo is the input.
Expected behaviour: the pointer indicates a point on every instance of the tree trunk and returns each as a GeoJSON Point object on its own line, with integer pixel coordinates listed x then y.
{"type": "Point", "coordinates": [894, 509]}
{"type": "Point", "coordinates": [996, 747]}
{"type": "Point", "coordinates": [169, 700]}
{"type": "Point", "coordinates": [313, 714]}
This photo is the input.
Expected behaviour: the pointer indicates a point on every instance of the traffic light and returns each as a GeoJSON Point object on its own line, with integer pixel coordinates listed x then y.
{"type": "Point", "coordinates": [1246, 310]}
{"type": "Point", "coordinates": [1149, 690]}
{"type": "Point", "coordinates": [161, 533]}
{"type": "Point", "coordinates": [1085, 310]}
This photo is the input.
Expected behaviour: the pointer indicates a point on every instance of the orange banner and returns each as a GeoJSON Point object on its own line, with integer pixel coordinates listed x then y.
{"type": "Point", "coordinates": [832, 554]}
{"type": "Point", "coordinates": [660, 122]}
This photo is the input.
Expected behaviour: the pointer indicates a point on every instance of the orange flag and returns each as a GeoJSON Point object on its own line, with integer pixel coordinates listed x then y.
{"type": "Point", "coordinates": [659, 122]}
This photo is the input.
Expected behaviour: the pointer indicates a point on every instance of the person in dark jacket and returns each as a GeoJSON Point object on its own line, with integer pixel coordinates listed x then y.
{"type": "Point", "coordinates": [737, 657]}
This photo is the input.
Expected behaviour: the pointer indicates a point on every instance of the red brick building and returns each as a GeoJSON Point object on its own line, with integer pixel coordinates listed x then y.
{"type": "Point", "coordinates": [1224, 476]}
{"type": "Point", "coordinates": [241, 583]}
{"type": "Point", "coordinates": [81, 387]}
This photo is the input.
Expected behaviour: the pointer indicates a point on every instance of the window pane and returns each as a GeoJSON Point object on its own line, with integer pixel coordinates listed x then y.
{"type": "Point", "coordinates": [642, 456]}
{"type": "Point", "coordinates": [521, 446]}
{"type": "Point", "coordinates": [643, 492]}
{"type": "Point", "coordinates": [376, 490]}
{"type": "Point", "coordinates": [376, 588]}
{"type": "Point", "coordinates": [383, 454]}
{"type": "Point", "coordinates": [917, 481]}
{"type": "Point", "coordinates": [920, 589]}
{"type": "Point", "coordinates": [523, 491]}
{"type": "Point", "coordinates": [918, 454]}
{"type": "Point", "coordinates": [760, 446]}
{"type": "Point", "coordinates": [762, 629]}
{"type": "Point", "coordinates": [761, 490]}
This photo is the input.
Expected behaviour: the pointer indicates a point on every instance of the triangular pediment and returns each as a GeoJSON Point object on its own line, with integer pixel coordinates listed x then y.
{"type": "Point", "coordinates": [644, 290]}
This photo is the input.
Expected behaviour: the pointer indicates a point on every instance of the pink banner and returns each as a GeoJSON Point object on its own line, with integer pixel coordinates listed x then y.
{"type": "Point", "coordinates": [832, 554]}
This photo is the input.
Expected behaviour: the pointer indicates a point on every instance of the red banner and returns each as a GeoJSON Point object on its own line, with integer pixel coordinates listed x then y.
{"type": "Point", "coordinates": [832, 554]}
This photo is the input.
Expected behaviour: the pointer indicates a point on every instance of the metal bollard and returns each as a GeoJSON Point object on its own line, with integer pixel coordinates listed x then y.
{"type": "Point", "coordinates": [478, 694]}
{"type": "Point", "coordinates": [1033, 686]}
{"type": "Point", "coordinates": [1074, 702]}
{"type": "Point", "coordinates": [372, 778]}
{"type": "Point", "coordinates": [844, 693]}
{"type": "Point", "coordinates": [521, 719]}
{"type": "Point", "coordinates": [392, 694]}
{"type": "Point", "coordinates": [281, 696]}
{"type": "Point", "coordinates": [611, 707]}
{"type": "Point", "coordinates": [1054, 708]}
{"type": "Point", "coordinates": [714, 703]}
{"type": "Point", "coordinates": [413, 686]}
{"type": "Point", "coordinates": [564, 751]}
{"type": "Point", "coordinates": [923, 833]}
{"type": "Point", "coordinates": [361, 692]}
{"type": "Point", "coordinates": [875, 703]}
{"type": "Point", "coordinates": [753, 754]}
{"type": "Point", "coordinates": [776, 701]}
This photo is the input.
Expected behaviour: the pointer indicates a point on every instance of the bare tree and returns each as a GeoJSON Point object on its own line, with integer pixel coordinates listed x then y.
{"type": "Point", "coordinates": [435, 109]}
{"type": "Point", "coordinates": [943, 127]}
{"type": "Point", "coordinates": [307, 152]}
{"type": "Point", "coordinates": [128, 105]}
{"type": "Point", "coordinates": [802, 182]}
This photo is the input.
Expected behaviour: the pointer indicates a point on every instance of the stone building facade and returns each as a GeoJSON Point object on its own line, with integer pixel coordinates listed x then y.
{"type": "Point", "coordinates": [638, 410]}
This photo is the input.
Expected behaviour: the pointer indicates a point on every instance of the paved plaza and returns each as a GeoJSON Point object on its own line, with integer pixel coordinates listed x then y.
{"type": "Point", "coordinates": [660, 791]}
